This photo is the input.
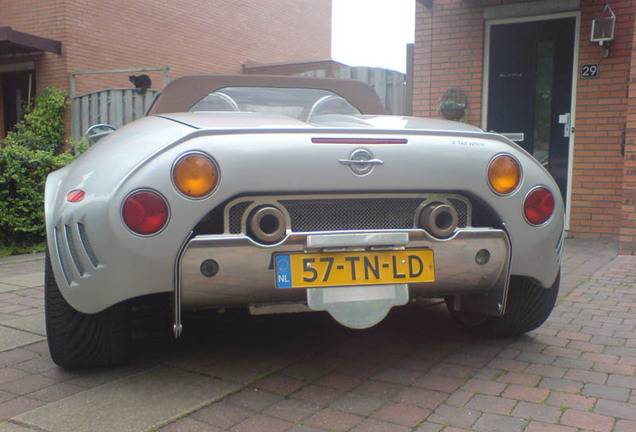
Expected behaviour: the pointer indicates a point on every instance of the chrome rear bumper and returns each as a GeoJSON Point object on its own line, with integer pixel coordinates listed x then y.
{"type": "Point", "coordinates": [245, 273]}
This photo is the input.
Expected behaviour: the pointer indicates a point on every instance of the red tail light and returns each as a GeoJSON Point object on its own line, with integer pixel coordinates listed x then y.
{"type": "Point", "coordinates": [145, 212]}
{"type": "Point", "coordinates": [538, 206]}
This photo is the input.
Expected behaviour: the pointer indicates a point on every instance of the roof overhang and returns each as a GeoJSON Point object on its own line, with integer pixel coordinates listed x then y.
{"type": "Point", "coordinates": [15, 42]}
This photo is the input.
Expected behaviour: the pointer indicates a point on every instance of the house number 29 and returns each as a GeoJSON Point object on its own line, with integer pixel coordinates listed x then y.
{"type": "Point", "coordinates": [589, 70]}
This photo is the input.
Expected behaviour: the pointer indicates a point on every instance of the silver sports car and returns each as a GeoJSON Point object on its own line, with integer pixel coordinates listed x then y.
{"type": "Point", "coordinates": [283, 195]}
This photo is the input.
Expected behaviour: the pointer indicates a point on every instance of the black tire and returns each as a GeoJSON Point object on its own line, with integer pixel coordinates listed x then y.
{"type": "Point", "coordinates": [77, 340]}
{"type": "Point", "coordinates": [527, 307]}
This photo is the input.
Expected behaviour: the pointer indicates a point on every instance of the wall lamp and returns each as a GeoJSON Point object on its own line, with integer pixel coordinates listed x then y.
{"type": "Point", "coordinates": [603, 29]}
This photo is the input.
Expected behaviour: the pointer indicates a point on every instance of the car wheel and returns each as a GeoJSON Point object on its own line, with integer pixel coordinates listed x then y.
{"type": "Point", "coordinates": [77, 340]}
{"type": "Point", "coordinates": [527, 307]}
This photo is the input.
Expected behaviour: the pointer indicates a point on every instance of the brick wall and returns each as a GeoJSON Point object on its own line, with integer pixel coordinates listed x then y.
{"type": "Point", "coordinates": [449, 53]}
{"type": "Point", "coordinates": [188, 36]}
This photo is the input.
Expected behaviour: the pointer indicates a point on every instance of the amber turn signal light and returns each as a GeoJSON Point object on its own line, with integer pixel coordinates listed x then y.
{"type": "Point", "coordinates": [195, 175]}
{"type": "Point", "coordinates": [504, 174]}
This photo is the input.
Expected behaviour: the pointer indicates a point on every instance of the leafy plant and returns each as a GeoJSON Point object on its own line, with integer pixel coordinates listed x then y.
{"type": "Point", "coordinates": [42, 127]}
{"type": "Point", "coordinates": [27, 155]}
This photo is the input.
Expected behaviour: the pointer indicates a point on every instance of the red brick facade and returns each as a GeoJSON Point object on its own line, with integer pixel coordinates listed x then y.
{"type": "Point", "coordinates": [188, 36]}
{"type": "Point", "coordinates": [449, 52]}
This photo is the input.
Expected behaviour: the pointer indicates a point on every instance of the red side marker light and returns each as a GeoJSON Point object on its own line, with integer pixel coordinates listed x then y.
{"type": "Point", "coordinates": [75, 196]}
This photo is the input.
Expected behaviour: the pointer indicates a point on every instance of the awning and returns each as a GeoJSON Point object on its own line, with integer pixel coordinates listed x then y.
{"type": "Point", "coordinates": [15, 42]}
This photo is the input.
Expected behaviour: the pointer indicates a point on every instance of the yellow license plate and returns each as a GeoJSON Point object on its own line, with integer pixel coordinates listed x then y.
{"type": "Point", "coordinates": [303, 270]}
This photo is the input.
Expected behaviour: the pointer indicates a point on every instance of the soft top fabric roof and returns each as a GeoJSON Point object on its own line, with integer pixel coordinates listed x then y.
{"type": "Point", "coordinates": [15, 42]}
{"type": "Point", "coordinates": [184, 92]}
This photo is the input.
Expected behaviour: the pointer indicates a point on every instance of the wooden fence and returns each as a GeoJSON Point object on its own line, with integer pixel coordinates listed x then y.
{"type": "Point", "coordinates": [115, 107]}
{"type": "Point", "coordinates": [389, 85]}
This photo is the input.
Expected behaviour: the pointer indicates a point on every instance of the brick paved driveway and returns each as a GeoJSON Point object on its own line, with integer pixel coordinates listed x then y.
{"type": "Point", "coordinates": [413, 372]}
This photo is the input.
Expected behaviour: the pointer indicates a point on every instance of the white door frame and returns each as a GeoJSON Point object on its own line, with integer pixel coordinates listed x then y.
{"type": "Point", "coordinates": [575, 63]}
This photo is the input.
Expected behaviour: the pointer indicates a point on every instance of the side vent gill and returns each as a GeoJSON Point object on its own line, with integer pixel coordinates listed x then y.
{"type": "Point", "coordinates": [71, 247]}
{"type": "Point", "coordinates": [63, 256]}
{"type": "Point", "coordinates": [87, 245]}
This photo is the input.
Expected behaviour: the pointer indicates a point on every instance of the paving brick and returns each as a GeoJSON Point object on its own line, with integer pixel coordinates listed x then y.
{"type": "Point", "coordinates": [491, 404]}
{"type": "Point", "coordinates": [188, 425]}
{"type": "Point", "coordinates": [28, 384]}
{"type": "Point", "coordinates": [535, 426]}
{"type": "Point", "coordinates": [533, 411]}
{"type": "Point", "coordinates": [254, 399]}
{"type": "Point", "coordinates": [451, 370]}
{"type": "Point", "coordinates": [546, 371]}
{"type": "Point", "coordinates": [622, 381]}
{"type": "Point", "coordinates": [262, 423]}
{"type": "Point", "coordinates": [403, 414]}
{"type": "Point", "coordinates": [379, 389]}
{"type": "Point", "coordinates": [333, 420]}
{"type": "Point", "coordinates": [439, 382]}
{"type": "Point", "coordinates": [459, 398]}
{"type": "Point", "coordinates": [398, 376]}
{"type": "Point", "coordinates": [339, 381]}
{"type": "Point", "coordinates": [586, 376]}
{"type": "Point", "coordinates": [373, 425]}
{"type": "Point", "coordinates": [9, 374]}
{"type": "Point", "coordinates": [615, 409]}
{"type": "Point", "coordinates": [519, 378]}
{"type": "Point", "coordinates": [586, 420]}
{"type": "Point", "coordinates": [568, 400]}
{"type": "Point", "coordinates": [222, 414]}
{"type": "Point", "coordinates": [530, 394]}
{"type": "Point", "coordinates": [13, 407]}
{"type": "Point", "coordinates": [420, 397]}
{"type": "Point", "coordinates": [291, 410]}
{"type": "Point", "coordinates": [482, 386]}
{"type": "Point", "coordinates": [359, 404]}
{"type": "Point", "coordinates": [498, 423]}
{"type": "Point", "coordinates": [318, 395]}
{"type": "Point", "coordinates": [562, 385]}
{"type": "Point", "coordinates": [606, 392]}
{"type": "Point", "coordinates": [508, 364]}
{"type": "Point", "coordinates": [625, 426]}
{"type": "Point", "coordinates": [280, 384]}
{"type": "Point", "coordinates": [460, 417]}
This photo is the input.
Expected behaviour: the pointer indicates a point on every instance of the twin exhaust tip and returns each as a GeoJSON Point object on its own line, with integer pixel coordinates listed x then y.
{"type": "Point", "coordinates": [268, 225]}
{"type": "Point", "coordinates": [438, 219]}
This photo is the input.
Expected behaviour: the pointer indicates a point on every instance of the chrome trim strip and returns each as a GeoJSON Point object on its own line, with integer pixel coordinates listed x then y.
{"type": "Point", "coordinates": [360, 162]}
{"type": "Point", "coordinates": [355, 240]}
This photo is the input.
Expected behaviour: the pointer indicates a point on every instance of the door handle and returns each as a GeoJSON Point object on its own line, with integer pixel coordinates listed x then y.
{"type": "Point", "coordinates": [566, 120]}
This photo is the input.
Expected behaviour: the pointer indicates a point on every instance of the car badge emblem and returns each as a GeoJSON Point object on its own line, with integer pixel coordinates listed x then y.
{"type": "Point", "coordinates": [361, 161]}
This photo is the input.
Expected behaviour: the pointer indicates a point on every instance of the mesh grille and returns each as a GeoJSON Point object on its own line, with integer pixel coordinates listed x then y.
{"type": "Point", "coordinates": [352, 214]}
{"type": "Point", "coordinates": [462, 212]}
{"type": "Point", "coordinates": [236, 213]}
{"type": "Point", "coordinates": [71, 247]}
{"type": "Point", "coordinates": [87, 246]}
{"type": "Point", "coordinates": [343, 214]}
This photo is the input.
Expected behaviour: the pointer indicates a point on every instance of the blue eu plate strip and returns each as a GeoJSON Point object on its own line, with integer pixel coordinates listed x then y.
{"type": "Point", "coordinates": [282, 263]}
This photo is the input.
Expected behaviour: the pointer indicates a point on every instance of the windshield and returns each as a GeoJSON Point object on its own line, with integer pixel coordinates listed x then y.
{"type": "Point", "coordinates": [300, 103]}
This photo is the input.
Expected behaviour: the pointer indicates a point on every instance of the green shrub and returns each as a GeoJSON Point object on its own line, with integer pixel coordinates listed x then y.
{"type": "Point", "coordinates": [23, 174]}
{"type": "Point", "coordinates": [42, 127]}
{"type": "Point", "coordinates": [27, 156]}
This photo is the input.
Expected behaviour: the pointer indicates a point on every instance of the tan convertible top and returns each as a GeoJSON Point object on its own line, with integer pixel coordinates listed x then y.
{"type": "Point", "coordinates": [184, 92]}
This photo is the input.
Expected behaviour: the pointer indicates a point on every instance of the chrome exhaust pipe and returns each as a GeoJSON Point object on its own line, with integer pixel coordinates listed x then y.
{"type": "Point", "coordinates": [438, 219]}
{"type": "Point", "coordinates": [267, 225]}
